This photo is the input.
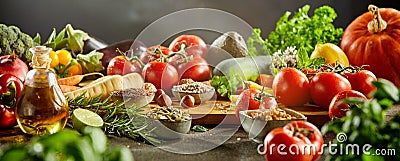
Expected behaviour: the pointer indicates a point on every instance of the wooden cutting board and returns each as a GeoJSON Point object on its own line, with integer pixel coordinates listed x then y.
{"type": "Point", "coordinates": [221, 112]}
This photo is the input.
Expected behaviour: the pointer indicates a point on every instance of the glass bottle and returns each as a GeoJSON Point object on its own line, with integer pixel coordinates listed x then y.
{"type": "Point", "coordinates": [41, 108]}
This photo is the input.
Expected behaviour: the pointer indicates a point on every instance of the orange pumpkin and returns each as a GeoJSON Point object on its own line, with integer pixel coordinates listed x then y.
{"type": "Point", "coordinates": [374, 39]}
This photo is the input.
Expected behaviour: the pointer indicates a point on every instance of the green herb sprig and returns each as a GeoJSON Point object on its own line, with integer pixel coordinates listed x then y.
{"type": "Point", "coordinates": [119, 120]}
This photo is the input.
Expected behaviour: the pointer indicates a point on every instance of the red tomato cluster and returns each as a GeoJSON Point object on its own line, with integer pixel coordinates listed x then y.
{"type": "Point", "coordinates": [293, 88]}
{"type": "Point", "coordinates": [163, 66]}
{"type": "Point", "coordinates": [253, 99]}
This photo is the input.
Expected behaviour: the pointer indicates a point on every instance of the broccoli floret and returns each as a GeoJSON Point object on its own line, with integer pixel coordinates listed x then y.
{"type": "Point", "coordinates": [13, 40]}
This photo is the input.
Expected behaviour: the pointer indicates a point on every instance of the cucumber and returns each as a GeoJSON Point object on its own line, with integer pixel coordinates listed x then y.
{"type": "Point", "coordinates": [248, 68]}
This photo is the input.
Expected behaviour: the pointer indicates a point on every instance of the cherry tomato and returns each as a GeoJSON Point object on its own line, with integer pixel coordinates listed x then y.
{"type": "Point", "coordinates": [294, 142]}
{"type": "Point", "coordinates": [121, 66]}
{"type": "Point", "coordinates": [339, 109]}
{"type": "Point", "coordinates": [291, 87]}
{"type": "Point", "coordinates": [54, 59]}
{"type": "Point", "coordinates": [160, 74]}
{"type": "Point", "coordinates": [247, 100]}
{"type": "Point", "coordinates": [324, 86]}
{"type": "Point", "coordinates": [194, 45]}
{"type": "Point", "coordinates": [152, 54]}
{"type": "Point", "coordinates": [64, 57]}
{"type": "Point", "coordinates": [75, 69]}
{"type": "Point", "coordinates": [362, 81]}
{"type": "Point", "coordinates": [196, 69]}
{"type": "Point", "coordinates": [7, 117]}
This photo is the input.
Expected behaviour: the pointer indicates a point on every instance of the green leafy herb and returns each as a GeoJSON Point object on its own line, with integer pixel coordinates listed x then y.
{"type": "Point", "coordinates": [67, 145]}
{"type": "Point", "coordinates": [366, 123]}
{"type": "Point", "coordinates": [305, 32]}
{"type": "Point", "coordinates": [225, 86]}
{"type": "Point", "coordinates": [221, 84]}
{"type": "Point", "coordinates": [304, 61]}
{"type": "Point", "coordinates": [74, 39]}
{"type": "Point", "coordinates": [118, 119]}
{"type": "Point", "coordinates": [90, 62]}
{"type": "Point", "coordinates": [256, 45]}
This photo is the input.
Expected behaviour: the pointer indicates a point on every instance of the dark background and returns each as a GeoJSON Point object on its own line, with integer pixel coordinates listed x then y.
{"type": "Point", "coordinates": [116, 20]}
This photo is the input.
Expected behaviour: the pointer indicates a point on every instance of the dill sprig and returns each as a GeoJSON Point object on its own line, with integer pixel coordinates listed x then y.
{"type": "Point", "coordinates": [119, 120]}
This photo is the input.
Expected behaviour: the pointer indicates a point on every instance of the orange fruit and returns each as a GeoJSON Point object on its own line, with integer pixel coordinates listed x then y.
{"type": "Point", "coordinates": [64, 57]}
{"type": "Point", "coordinates": [331, 52]}
{"type": "Point", "coordinates": [54, 59]}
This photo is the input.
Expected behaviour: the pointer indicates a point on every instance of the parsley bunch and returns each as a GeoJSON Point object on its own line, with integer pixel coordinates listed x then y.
{"type": "Point", "coordinates": [304, 32]}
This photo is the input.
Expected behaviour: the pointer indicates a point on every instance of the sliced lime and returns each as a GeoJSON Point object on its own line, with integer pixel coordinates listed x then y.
{"type": "Point", "coordinates": [83, 117]}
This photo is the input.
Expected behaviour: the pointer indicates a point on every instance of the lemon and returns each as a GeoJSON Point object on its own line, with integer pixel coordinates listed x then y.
{"type": "Point", "coordinates": [83, 118]}
{"type": "Point", "coordinates": [331, 52]}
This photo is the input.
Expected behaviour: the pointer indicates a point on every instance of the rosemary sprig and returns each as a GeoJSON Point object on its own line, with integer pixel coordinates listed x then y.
{"type": "Point", "coordinates": [119, 120]}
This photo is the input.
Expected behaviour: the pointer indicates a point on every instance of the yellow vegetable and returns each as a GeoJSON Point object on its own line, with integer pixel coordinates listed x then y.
{"type": "Point", "coordinates": [259, 87]}
{"type": "Point", "coordinates": [107, 84]}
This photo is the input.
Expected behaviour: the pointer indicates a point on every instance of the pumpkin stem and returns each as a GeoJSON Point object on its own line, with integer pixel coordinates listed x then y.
{"type": "Point", "coordinates": [377, 24]}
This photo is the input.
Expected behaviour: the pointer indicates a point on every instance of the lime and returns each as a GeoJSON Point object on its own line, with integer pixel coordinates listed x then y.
{"type": "Point", "coordinates": [331, 52]}
{"type": "Point", "coordinates": [83, 117]}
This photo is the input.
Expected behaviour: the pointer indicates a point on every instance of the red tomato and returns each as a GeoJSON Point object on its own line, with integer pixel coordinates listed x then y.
{"type": "Point", "coordinates": [324, 86]}
{"type": "Point", "coordinates": [291, 87]}
{"type": "Point", "coordinates": [247, 100]}
{"type": "Point", "coordinates": [194, 45]}
{"type": "Point", "coordinates": [338, 109]}
{"type": "Point", "coordinates": [268, 102]}
{"type": "Point", "coordinates": [152, 54]}
{"type": "Point", "coordinates": [296, 141]}
{"type": "Point", "coordinates": [196, 69]}
{"type": "Point", "coordinates": [314, 135]}
{"type": "Point", "coordinates": [162, 75]}
{"type": "Point", "coordinates": [121, 66]}
{"type": "Point", "coordinates": [362, 81]}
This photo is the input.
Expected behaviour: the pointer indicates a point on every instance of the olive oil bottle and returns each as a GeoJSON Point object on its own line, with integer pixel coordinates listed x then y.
{"type": "Point", "coordinates": [41, 108]}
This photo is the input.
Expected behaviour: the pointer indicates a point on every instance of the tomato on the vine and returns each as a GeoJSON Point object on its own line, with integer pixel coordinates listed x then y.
{"type": "Point", "coordinates": [362, 81]}
{"type": "Point", "coordinates": [325, 85]}
{"type": "Point", "coordinates": [247, 100]}
{"type": "Point", "coordinates": [291, 87]}
{"type": "Point", "coordinates": [194, 45]}
{"type": "Point", "coordinates": [160, 74]}
{"type": "Point", "coordinates": [296, 141]}
{"type": "Point", "coordinates": [337, 108]}
{"type": "Point", "coordinates": [196, 69]}
{"type": "Point", "coordinates": [121, 65]}
{"type": "Point", "coordinates": [153, 52]}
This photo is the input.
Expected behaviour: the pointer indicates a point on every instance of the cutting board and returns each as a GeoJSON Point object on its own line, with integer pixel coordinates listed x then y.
{"type": "Point", "coordinates": [222, 112]}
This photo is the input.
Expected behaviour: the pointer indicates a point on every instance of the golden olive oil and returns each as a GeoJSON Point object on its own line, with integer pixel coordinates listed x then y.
{"type": "Point", "coordinates": [41, 108]}
{"type": "Point", "coordinates": [41, 111]}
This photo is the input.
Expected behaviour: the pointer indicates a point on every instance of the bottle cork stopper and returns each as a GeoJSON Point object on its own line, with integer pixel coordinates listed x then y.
{"type": "Point", "coordinates": [40, 57]}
